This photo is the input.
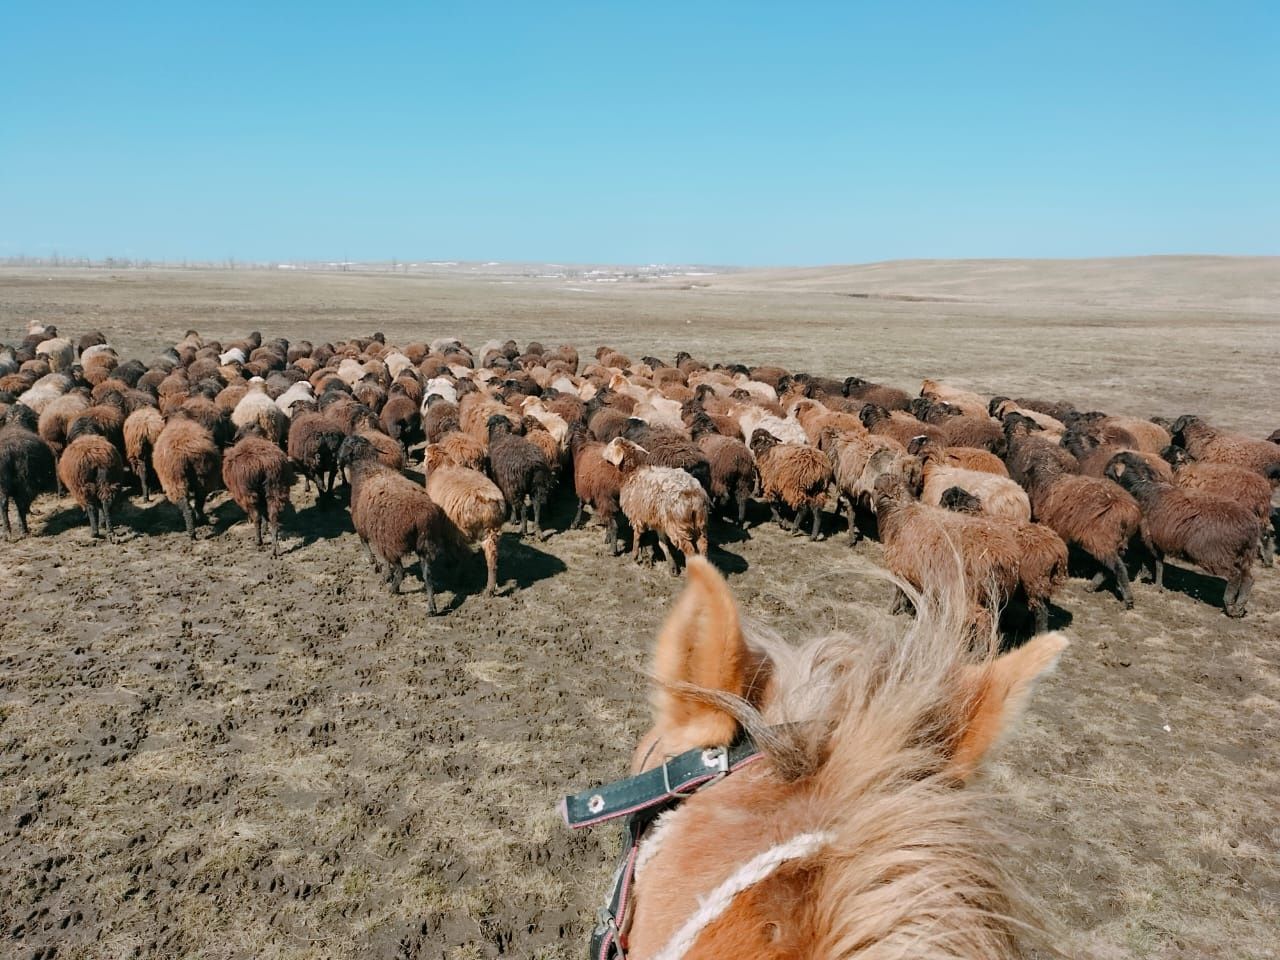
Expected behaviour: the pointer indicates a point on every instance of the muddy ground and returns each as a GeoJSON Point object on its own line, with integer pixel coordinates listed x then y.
{"type": "Point", "coordinates": [204, 752]}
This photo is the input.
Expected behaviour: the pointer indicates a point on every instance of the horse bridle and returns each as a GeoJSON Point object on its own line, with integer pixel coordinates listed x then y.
{"type": "Point", "coordinates": [640, 800]}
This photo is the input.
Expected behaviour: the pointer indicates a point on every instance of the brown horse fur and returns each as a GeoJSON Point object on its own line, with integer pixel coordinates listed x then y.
{"type": "Point", "coordinates": [866, 740]}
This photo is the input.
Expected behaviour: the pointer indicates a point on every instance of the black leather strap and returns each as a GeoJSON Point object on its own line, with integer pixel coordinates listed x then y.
{"type": "Point", "coordinates": [677, 777]}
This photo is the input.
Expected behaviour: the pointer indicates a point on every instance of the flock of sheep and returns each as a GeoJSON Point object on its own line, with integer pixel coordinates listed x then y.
{"type": "Point", "coordinates": [1003, 487]}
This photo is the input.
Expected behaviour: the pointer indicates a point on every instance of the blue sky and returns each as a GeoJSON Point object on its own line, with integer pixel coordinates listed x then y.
{"type": "Point", "coordinates": [749, 133]}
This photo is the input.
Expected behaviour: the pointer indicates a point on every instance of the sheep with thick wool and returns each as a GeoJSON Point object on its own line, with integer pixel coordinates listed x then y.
{"type": "Point", "coordinates": [793, 474]}
{"type": "Point", "coordinates": [858, 460]}
{"type": "Point", "coordinates": [597, 482]}
{"type": "Point", "coordinates": [967, 458]}
{"type": "Point", "coordinates": [258, 476]}
{"type": "Point", "coordinates": [667, 501]}
{"type": "Point", "coordinates": [141, 431]}
{"type": "Point", "coordinates": [394, 518]}
{"type": "Point", "coordinates": [521, 472]}
{"type": "Point", "coordinates": [1205, 443]}
{"type": "Point", "coordinates": [257, 408]}
{"type": "Point", "coordinates": [91, 471]}
{"type": "Point", "coordinates": [188, 465]}
{"type": "Point", "coordinates": [1042, 559]}
{"type": "Point", "coordinates": [732, 467]}
{"type": "Point", "coordinates": [929, 548]}
{"type": "Point", "coordinates": [313, 444]}
{"type": "Point", "coordinates": [1218, 535]}
{"type": "Point", "coordinates": [27, 469]}
{"type": "Point", "coordinates": [1095, 515]}
{"type": "Point", "coordinates": [472, 502]}
{"type": "Point", "coordinates": [1246, 487]}
{"type": "Point", "coordinates": [1000, 496]}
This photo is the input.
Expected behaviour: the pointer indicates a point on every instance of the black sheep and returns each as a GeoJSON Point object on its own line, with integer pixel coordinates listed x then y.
{"type": "Point", "coordinates": [520, 470]}
{"type": "Point", "coordinates": [27, 469]}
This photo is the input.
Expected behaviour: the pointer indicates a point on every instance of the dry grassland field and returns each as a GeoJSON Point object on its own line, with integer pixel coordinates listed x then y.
{"type": "Point", "coordinates": [205, 753]}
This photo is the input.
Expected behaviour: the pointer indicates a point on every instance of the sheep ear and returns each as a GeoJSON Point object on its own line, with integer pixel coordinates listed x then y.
{"type": "Point", "coordinates": [700, 645]}
{"type": "Point", "coordinates": [994, 695]}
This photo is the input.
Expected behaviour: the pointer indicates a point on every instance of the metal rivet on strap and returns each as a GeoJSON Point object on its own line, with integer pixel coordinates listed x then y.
{"type": "Point", "coordinates": [596, 803]}
{"type": "Point", "coordinates": [713, 757]}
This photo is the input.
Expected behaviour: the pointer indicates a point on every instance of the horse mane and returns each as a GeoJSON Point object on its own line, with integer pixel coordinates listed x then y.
{"type": "Point", "coordinates": [864, 724]}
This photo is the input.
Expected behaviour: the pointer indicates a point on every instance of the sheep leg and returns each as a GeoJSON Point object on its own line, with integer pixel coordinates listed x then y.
{"type": "Point", "coordinates": [669, 549]}
{"type": "Point", "coordinates": [93, 520]}
{"type": "Point", "coordinates": [257, 529]}
{"type": "Point", "coordinates": [537, 520]}
{"type": "Point", "coordinates": [1122, 580]}
{"type": "Point", "coordinates": [817, 523]}
{"type": "Point", "coordinates": [396, 571]}
{"type": "Point", "coordinates": [777, 517]}
{"type": "Point", "coordinates": [1157, 568]}
{"type": "Point", "coordinates": [199, 498]}
{"type": "Point", "coordinates": [364, 544]}
{"type": "Point", "coordinates": [577, 517]}
{"type": "Point", "coordinates": [1244, 586]}
{"type": "Point", "coordinates": [105, 512]}
{"type": "Point", "coordinates": [188, 518]}
{"type": "Point", "coordinates": [425, 566]}
{"type": "Point", "coordinates": [4, 515]}
{"type": "Point", "coordinates": [1040, 609]}
{"type": "Point", "coordinates": [1267, 546]}
{"type": "Point", "coordinates": [742, 511]}
{"type": "Point", "coordinates": [522, 517]}
{"type": "Point", "coordinates": [141, 471]}
{"type": "Point", "coordinates": [613, 536]}
{"type": "Point", "coordinates": [275, 536]}
{"type": "Point", "coordinates": [490, 550]}
{"type": "Point", "coordinates": [22, 507]}
{"type": "Point", "coordinates": [797, 525]}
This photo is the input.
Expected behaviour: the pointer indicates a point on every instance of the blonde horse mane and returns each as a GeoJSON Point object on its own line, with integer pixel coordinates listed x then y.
{"type": "Point", "coordinates": [913, 866]}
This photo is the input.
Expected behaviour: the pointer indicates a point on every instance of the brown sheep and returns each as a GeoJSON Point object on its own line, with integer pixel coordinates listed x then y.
{"type": "Point", "coordinates": [902, 427]}
{"type": "Point", "coordinates": [394, 517]}
{"type": "Point", "coordinates": [141, 430]}
{"type": "Point", "coordinates": [439, 417]}
{"type": "Point", "coordinates": [1218, 535]}
{"type": "Point", "coordinates": [858, 460]}
{"type": "Point", "coordinates": [929, 548]}
{"type": "Point", "coordinates": [596, 482]}
{"type": "Point", "coordinates": [607, 423]}
{"type": "Point", "coordinates": [1027, 443]}
{"type": "Point", "coordinates": [463, 450]}
{"type": "Point", "coordinates": [968, 458]}
{"type": "Point", "coordinates": [960, 429]}
{"type": "Point", "coordinates": [188, 465]}
{"type": "Point", "coordinates": [1042, 558]}
{"type": "Point", "coordinates": [793, 474]}
{"type": "Point", "coordinates": [92, 472]}
{"type": "Point", "coordinates": [733, 469]}
{"type": "Point", "coordinates": [1095, 515]}
{"type": "Point", "coordinates": [258, 476]}
{"type": "Point", "coordinates": [967, 401]}
{"type": "Point", "coordinates": [1244, 486]}
{"type": "Point", "coordinates": [520, 470]}
{"type": "Point", "coordinates": [390, 453]}
{"type": "Point", "coordinates": [472, 502]}
{"type": "Point", "coordinates": [1205, 443]}
{"type": "Point", "coordinates": [313, 444]}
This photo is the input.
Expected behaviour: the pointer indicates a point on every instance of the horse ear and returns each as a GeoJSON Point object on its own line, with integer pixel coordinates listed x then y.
{"type": "Point", "coordinates": [995, 695]}
{"type": "Point", "coordinates": [701, 645]}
